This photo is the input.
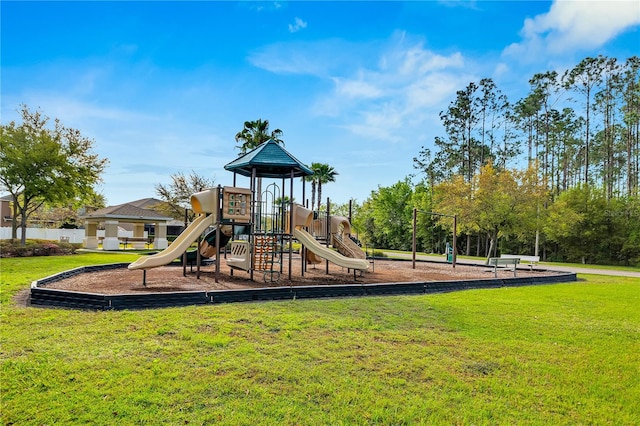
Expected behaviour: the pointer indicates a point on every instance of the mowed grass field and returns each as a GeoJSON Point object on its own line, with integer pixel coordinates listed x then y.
{"type": "Point", "coordinates": [550, 354]}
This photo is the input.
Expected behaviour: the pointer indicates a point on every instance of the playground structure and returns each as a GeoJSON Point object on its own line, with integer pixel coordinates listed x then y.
{"type": "Point", "coordinates": [269, 220]}
{"type": "Point", "coordinates": [260, 251]}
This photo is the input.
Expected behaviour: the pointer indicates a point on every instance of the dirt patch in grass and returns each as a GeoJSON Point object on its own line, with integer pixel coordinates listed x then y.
{"type": "Point", "coordinates": [171, 278]}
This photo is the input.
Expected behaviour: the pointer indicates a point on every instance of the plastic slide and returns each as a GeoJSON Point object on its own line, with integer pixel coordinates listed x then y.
{"type": "Point", "coordinates": [312, 259]}
{"type": "Point", "coordinates": [208, 245]}
{"type": "Point", "coordinates": [348, 248]}
{"type": "Point", "coordinates": [326, 253]}
{"type": "Point", "coordinates": [179, 245]}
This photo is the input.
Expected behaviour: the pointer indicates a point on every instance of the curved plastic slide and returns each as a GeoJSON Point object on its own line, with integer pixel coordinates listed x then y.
{"type": "Point", "coordinates": [326, 253]}
{"type": "Point", "coordinates": [208, 245]}
{"type": "Point", "coordinates": [356, 249]}
{"type": "Point", "coordinates": [312, 259]}
{"type": "Point", "coordinates": [348, 248]}
{"type": "Point", "coordinates": [177, 247]}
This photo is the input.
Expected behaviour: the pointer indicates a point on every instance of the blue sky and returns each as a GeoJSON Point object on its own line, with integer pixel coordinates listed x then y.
{"type": "Point", "coordinates": [163, 87]}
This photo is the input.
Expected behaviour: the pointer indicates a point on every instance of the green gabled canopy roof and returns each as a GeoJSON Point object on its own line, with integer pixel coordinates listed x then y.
{"type": "Point", "coordinates": [270, 160]}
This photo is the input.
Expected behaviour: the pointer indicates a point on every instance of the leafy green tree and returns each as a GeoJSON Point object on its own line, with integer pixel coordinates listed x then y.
{"type": "Point", "coordinates": [589, 228]}
{"type": "Point", "coordinates": [41, 165]}
{"type": "Point", "coordinates": [385, 219]}
{"type": "Point", "coordinates": [579, 222]}
{"type": "Point", "coordinates": [455, 197]}
{"type": "Point", "coordinates": [501, 202]}
{"type": "Point", "coordinates": [342, 209]}
{"type": "Point", "coordinates": [630, 217]}
{"type": "Point", "coordinates": [430, 235]}
{"type": "Point", "coordinates": [392, 213]}
{"type": "Point", "coordinates": [364, 223]}
{"type": "Point", "coordinates": [176, 196]}
{"type": "Point", "coordinates": [255, 133]}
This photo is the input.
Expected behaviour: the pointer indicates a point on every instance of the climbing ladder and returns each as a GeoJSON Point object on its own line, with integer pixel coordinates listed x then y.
{"type": "Point", "coordinates": [266, 257]}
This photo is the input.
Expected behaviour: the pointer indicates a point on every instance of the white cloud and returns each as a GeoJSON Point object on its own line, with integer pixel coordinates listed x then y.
{"type": "Point", "coordinates": [310, 58]}
{"type": "Point", "coordinates": [297, 26]}
{"type": "Point", "coordinates": [418, 60]}
{"type": "Point", "coordinates": [571, 25]}
{"type": "Point", "coordinates": [356, 89]}
{"type": "Point", "coordinates": [501, 69]}
{"type": "Point", "coordinates": [432, 90]}
{"type": "Point", "coordinates": [399, 94]}
{"type": "Point", "coordinates": [388, 90]}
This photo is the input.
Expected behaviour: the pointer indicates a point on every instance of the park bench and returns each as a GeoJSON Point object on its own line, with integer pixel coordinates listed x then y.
{"type": "Point", "coordinates": [148, 241]}
{"type": "Point", "coordinates": [503, 262]}
{"type": "Point", "coordinates": [533, 260]}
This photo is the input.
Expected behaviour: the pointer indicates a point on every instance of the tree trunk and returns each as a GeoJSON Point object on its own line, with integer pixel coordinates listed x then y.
{"type": "Point", "coordinates": [487, 241]}
{"type": "Point", "coordinates": [14, 220]}
{"type": "Point", "coordinates": [23, 227]}
{"type": "Point", "coordinates": [492, 245]}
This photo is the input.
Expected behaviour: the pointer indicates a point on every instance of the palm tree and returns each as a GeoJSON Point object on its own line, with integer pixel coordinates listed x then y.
{"type": "Point", "coordinates": [314, 180]}
{"type": "Point", "coordinates": [255, 133]}
{"type": "Point", "coordinates": [324, 173]}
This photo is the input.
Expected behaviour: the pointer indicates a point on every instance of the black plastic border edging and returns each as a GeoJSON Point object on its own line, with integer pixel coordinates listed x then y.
{"type": "Point", "coordinates": [45, 297]}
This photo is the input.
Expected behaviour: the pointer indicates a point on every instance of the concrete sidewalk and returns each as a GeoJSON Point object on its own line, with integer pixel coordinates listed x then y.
{"type": "Point", "coordinates": [547, 266]}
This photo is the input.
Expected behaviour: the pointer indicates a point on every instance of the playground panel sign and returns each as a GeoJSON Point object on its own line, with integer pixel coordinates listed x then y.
{"type": "Point", "coordinates": [236, 204]}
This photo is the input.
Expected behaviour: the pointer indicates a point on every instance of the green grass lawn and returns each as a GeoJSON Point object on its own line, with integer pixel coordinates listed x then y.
{"type": "Point", "coordinates": [552, 354]}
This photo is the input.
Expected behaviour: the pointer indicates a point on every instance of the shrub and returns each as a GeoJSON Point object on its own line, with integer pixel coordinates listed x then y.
{"type": "Point", "coordinates": [12, 248]}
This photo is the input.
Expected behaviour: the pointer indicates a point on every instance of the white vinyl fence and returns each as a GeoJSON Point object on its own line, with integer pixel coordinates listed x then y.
{"type": "Point", "coordinates": [74, 235]}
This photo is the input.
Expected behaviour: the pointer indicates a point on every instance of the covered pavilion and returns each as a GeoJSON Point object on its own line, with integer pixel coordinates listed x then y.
{"type": "Point", "coordinates": [113, 216]}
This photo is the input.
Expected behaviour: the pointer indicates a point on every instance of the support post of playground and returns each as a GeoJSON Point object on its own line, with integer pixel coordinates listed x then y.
{"type": "Point", "coordinates": [415, 222]}
{"type": "Point", "coordinates": [327, 231]}
{"type": "Point", "coordinates": [218, 224]}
